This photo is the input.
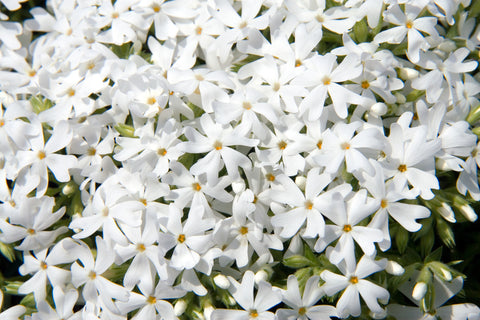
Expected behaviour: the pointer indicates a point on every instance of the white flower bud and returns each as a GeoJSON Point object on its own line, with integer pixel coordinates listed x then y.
{"type": "Point", "coordinates": [401, 99]}
{"type": "Point", "coordinates": [468, 212]}
{"type": "Point", "coordinates": [447, 213]}
{"type": "Point", "coordinates": [261, 275]}
{"type": "Point", "coordinates": [301, 182]}
{"type": "Point", "coordinates": [378, 109]}
{"type": "Point", "coordinates": [447, 46]}
{"type": "Point", "coordinates": [419, 290]}
{"type": "Point", "coordinates": [441, 164]}
{"type": "Point", "coordinates": [221, 281]}
{"type": "Point", "coordinates": [180, 307]}
{"type": "Point", "coordinates": [408, 73]}
{"type": "Point", "coordinates": [238, 186]}
{"type": "Point", "coordinates": [446, 274]}
{"type": "Point", "coordinates": [394, 268]}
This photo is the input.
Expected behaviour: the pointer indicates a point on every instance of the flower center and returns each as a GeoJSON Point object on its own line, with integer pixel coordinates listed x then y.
{"type": "Point", "coordinates": [151, 100]}
{"type": "Point", "coordinates": [282, 145]}
{"type": "Point", "coordinates": [115, 15]}
{"type": "Point", "coordinates": [365, 84]}
{"type": "Point", "coordinates": [326, 81]}
{"type": "Point", "coordinates": [345, 146]}
{"type": "Point", "coordinates": [196, 186]}
{"type": "Point", "coordinates": [30, 231]}
{"type": "Point", "coordinates": [247, 105]}
{"type": "Point", "coordinates": [384, 203]}
{"type": "Point", "coordinates": [141, 247]}
{"type": "Point", "coordinates": [32, 73]}
{"type": "Point", "coordinates": [91, 151]}
{"type": "Point", "coordinates": [181, 238]}
{"type": "Point", "coordinates": [217, 145]}
{"type": "Point", "coordinates": [409, 24]}
{"type": "Point", "coordinates": [308, 205]}
{"type": "Point", "coordinates": [105, 211]}
{"type": "Point", "coordinates": [92, 275]}
{"type": "Point", "coordinates": [71, 92]}
{"type": "Point", "coordinates": [402, 168]}
{"type": "Point", "coordinates": [12, 203]}
{"type": "Point", "coordinates": [143, 201]}
{"type": "Point", "coordinates": [253, 313]}
{"type": "Point", "coordinates": [43, 265]}
{"type": "Point", "coordinates": [276, 86]}
{"type": "Point", "coordinates": [243, 230]}
{"type": "Point", "coordinates": [347, 228]}
{"type": "Point", "coordinates": [199, 77]}
{"type": "Point", "coordinates": [270, 177]}
{"type": "Point", "coordinates": [198, 30]}
{"type": "Point", "coordinates": [353, 280]}
{"type": "Point", "coordinates": [156, 8]}
{"type": "Point", "coordinates": [320, 18]}
{"type": "Point", "coordinates": [302, 311]}
{"type": "Point", "coordinates": [41, 155]}
{"type": "Point", "coordinates": [161, 152]}
{"type": "Point", "coordinates": [151, 300]}
{"type": "Point", "coordinates": [242, 24]}
{"type": "Point", "coordinates": [319, 144]}
{"type": "Point", "coordinates": [298, 63]}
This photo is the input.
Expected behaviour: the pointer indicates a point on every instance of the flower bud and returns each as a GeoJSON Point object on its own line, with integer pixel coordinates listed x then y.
{"type": "Point", "coordinates": [394, 268]}
{"type": "Point", "coordinates": [400, 98]}
{"type": "Point", "coordinates": [419, 290]}
{"type": "Point", "coordinates": [378, 109]}
{"type": "Point", "coordinates": [69, 188]}
{"type": "Point", "coordinates": [441, 270]}
{"type": "Point", "coordinates": [407, 73]}
{"type": "Point", "coordinates": [474, 115]}
{"type": "Point", "coordinates": [261, 275]}
{"type": "Point", "coordinates": [447, 46]}
{"type": "Point", "coordinates": [238, 186]}
{"type": "Point", "coordinates": [446, 212]}
{"type": "Point", "coordinates": [301, 182]}
{"type": "Point", "coordinates": [445, 233]}
{"type": "Point", "coordinates": [221, 281]}
{"type": "Point", "coordinates": [468, 212]}
{"type": "Point", "coordinates": [180, 307]}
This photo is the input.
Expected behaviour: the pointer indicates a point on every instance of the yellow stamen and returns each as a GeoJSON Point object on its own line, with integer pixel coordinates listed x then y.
{"type": "Point", "coordinates": [365, 84]}
{"type": "Point", "coordinates": [384, 203]}
{"type": "Point", "coordinates": [43, 265]}
{"type": "Point", "coordinates": [198, 30]}
{"type": "Point", "coordinates": [302, 311]}
{"type": "Point", "coordinates": [181, 238]}
{"type": "Point", "coordinates": [92, 275]}
{"type": "Point", "coordinates": [217, 145]}
{"type": "Point", "coordinates": [409, 24]}
{"type": "Point", "coordinates": [196, 187]}
{"type": "Point", "coordinates": [270, 177]}
{"type": "Point", "coordinates": [243, 230]}
{"type": "Point", "coordinates": [151, 300]}
{"type": "Point", "coordinates": [115, 15]}
{"type": "Point", "coordinates": [32, 73]}
{"type": "Point", "coordinates": [41, 155]}
{"type": "Point", "coordinates": [298, 63]}
{"type": "Point", "coordinates": [151, 100]}
{"type": "Point", "coordinates": [402, 168]}
{"type": "Point", "coordinates": [71, 93]}
{"type": "Point", "coordinates": [353, 280]}
{"type": "Point", "coordinates": [30, 231]}
{"type": "Point", "coordinates": [143, 201]}
{"type": "Point", "coordinates": [347, 228]}
{"type": "Point", "coordinates": [247, 105]}
{"type": "Point", "coordinates": [345, 146]}
{"type": "Point", "coordinates": [141, 247]}
{"type": "Point", "coordinates": [161, 152]}
{"type": "Point", "coordinates": [326, 81]}
{"type": "Point", "coordinates": [319, 144]}
{"type": "Point", "coordinates": [156, 8]}
{"type": "Point", "coordinates": [308, 205]}
{"type": "Point", "coordinates": [91, 151]}
{"type": "Point", "coordinates": [282, 145]}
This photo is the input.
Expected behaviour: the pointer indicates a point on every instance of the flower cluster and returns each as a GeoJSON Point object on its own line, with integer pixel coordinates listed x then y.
{"type": "Point", "coordinates": [254, 159]}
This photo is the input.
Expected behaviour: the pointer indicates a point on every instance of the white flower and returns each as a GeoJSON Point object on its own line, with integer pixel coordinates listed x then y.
{"type": "Point", "coordinates": [354, 284]}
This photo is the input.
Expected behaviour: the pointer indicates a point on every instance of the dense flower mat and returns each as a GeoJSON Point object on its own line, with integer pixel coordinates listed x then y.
{"type": "Point", "coordinates": [255, 159]}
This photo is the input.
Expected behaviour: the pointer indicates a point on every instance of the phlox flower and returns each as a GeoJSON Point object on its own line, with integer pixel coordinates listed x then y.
{"type": "Point", "coordinates": [65, 300]}
{"type": "Point", "coordinates": [33, 163]}
{"type": "Point", "coordinates": [89, 275]}
{"type": "Point", "coordinates": [253, 308]}
{"type": "Point", "coordinates": [408, 25]}
{"type": "Point", "coordinates": [31, 223]}
{"type": "Point", "coordinates": [325, 76]}
{"type": "Point", "coordinates": [217, 143]}
{"type": "Point", "coordinates": [303, 305]}
{"type": "Point", "coordinates": [444, 291]}
{"type": "Point", "coordinates": [346, 214]}
{"type": "Point", "coordinates": [352, 280]}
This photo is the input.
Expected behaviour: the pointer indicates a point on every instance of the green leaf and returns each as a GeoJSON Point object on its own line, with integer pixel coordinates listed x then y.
{"type": "Point", "coordinates": [435, 255]}
{"type": "Point", "coordinates": [40, 104]}
{"type": "Point", "coordinates": [401, 239]}
{"type": "Point", "coordinates": [427, 242]}
{"type": "Point", "coordinates": [298, 261]}
{"type": "Point", "coordinates": [360, 29]}
{"type": "Point", "coordinates": [7, 251]}
{"type": "Point", "coordinates": [445, 233]}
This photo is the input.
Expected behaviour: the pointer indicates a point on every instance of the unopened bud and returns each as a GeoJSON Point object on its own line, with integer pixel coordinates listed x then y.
{"type": "Point", "coordinates": [445, 233]}
{"type": "Point", "coordinates": [419, 291]}
{"type": "Point", "coordinates": [180, 307]}
{"type": "Point", "coordinates": [400, 98]}
{"type": "Point", "coordinates": [407, 73]}
{"type": "Point", "coordinates": [261, 275]}
{"type": "Point", "coordinates": [221, 281]}
{"type": "Point", "coordinates": [441, 270]}
{"type": "Point", "coordinates": [468, 212]}
{"type": "Point", "coordinates": [447, 46]}
{"type": "Point", "coordinates": [238, 186]}
{"type": "Point", "coordinates": [446, 212]}
{"type": "Point", "coordinates": [378, 109]}
{"type": "Point", "coordinates": [394, 268]}
{"type": "Point", "coordinates": [301, 182]}
{"type": "Point", "coordinates": [69, 188]}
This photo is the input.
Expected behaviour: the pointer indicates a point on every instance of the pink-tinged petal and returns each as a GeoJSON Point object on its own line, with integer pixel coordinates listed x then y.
{"type": "Point", "coordinates": [243, 293]}
{"type": "Point", "coordinates": [349, 303]}
{"type": "Point", "coordinates": [60, 164]}
{"type": "Point", "coordinates": [407, 214]}
{"type": "Point", "coordinates": [370, 293]}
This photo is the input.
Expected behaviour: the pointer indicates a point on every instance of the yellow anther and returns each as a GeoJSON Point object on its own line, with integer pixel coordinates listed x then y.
{"type": "Point", "coordinates": [347, 228]}
{"type": "Point", "coordinates": [302, 311]}
{"type": "Point", "coordinates": [353, 280]}
{"type": "Point", "coordinates": [198, 30]}
{"type": "Point", "coordinates": [243, 230]}
{"type": "Point", "coordinates": [91, 151]}
{"type": "Point", "coordinates": [247, 105]}
{"type": "Point", "coordinates": [384, 203]}
{"type": "Point", "coordinates": [282, 145]}
{"type": "Point", "coordinates": [196, 187]}
{"type": "Point", "coordinates": [151, 300]}
{"type": "Point", "coordinates": [402, 168]}
{"type": "Point", "coordinates": [253, 313]}
{"type": "Point", "coordinates": [298, 63]}
{"type": "Point", "coordinates": [345, 146]}
{"type": "Point", "coordinates": [43, 265]}
{"type": "Point", "coordinates": [71, 92]}
{"type": "Point", "coordinates": [326, 81]}
{"type": "Point", "coordinates": [141, 247]}
{"type": "Point", "coordinates": [151, 100]}
{"type": "Point", "coordinates": [161, 152]}
{"type": "Point", "coordinates": [181, 238]}
{"type": "Point", "coordinates": [365, 84]}
{"type": "Point", "coordinates": [92, 275]}
{"type": "Point", "coordinates": [409, 24]}
{"type": "Point", "coordinates": [270, 177]}
{"type": "Point", "coordinates": [143, 201]}
{"type": "Point", "coordinates": [308, 205]}
{"type": "Point", "coordinates": [319, 144]}
{"type": "Point", "coordinates": [41, 155]}
{"type": "Point", "coordinates": [217, 145]}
